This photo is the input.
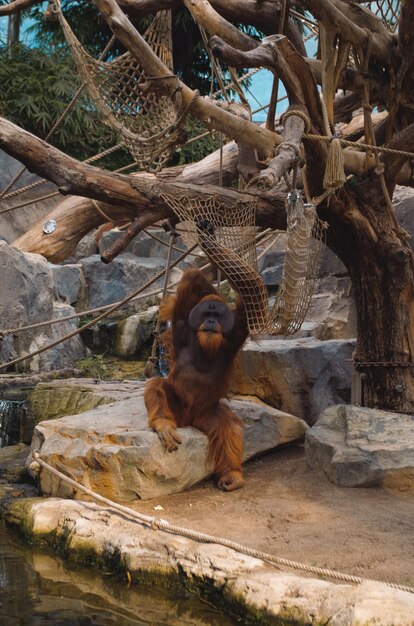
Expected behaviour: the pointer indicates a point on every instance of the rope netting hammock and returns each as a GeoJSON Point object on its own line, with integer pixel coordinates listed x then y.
{"type": "Point", "coordinates": [148, 124]}
{"type": "Point", "coordinates": [228, 237]}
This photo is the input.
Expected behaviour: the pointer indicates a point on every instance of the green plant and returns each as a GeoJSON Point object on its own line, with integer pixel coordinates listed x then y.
{"type": "Point", "coordinates": [37, 86]}
{"type": "Point", "coordinates": [94, 367]}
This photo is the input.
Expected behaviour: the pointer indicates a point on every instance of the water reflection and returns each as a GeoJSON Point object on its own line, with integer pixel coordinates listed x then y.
{"type": "Point", "coordinates": [38, 590]}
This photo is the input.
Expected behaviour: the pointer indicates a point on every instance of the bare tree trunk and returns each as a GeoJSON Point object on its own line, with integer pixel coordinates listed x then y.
{"type": "Point", "coordinates": [13, 32]}
{"type": "Point", "coordinates": [380, 262]}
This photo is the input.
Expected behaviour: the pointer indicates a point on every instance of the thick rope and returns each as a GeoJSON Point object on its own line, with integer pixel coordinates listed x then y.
{"type": "Point", "coordinates": [157, 523]}
{"type": "Point", "coordinates": [355, 144]}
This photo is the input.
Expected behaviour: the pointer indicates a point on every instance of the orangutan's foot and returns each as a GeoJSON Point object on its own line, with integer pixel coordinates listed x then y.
{"type": "Point", "coordinates": [231, 480]}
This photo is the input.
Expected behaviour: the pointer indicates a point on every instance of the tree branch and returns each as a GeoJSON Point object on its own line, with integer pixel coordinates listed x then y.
{"type": "Point", "coordinates": [288, 152]}
{"type": "Point", "coordinates": [278, 54]}
{"type": "Point", "coordinates": [394, 164]}
{"type": "Point", "coordinates": [207, 17]}
{"type": "Point", "coordinates": [263, 15]}
{"type": "Point", "coordinates": [124, 196]}
{"type": "Point", "coordinates": [214, 117]}
{"type": "Point", "coordinates": [405, 43]}
{"type": "Point", "coordinates": [16, 6]}
{"type": "Point", "coordinates": [350, 22]}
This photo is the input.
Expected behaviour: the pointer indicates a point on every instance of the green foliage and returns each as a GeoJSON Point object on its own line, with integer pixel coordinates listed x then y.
{"type": "Point", "coordinates": [94, 367]}
{"type": "Point", "coordinates": [37, 86]}
{"type": "Point", "coordinates": [83, 17]}
{"type": "Point", "coordinates": [196, 150]}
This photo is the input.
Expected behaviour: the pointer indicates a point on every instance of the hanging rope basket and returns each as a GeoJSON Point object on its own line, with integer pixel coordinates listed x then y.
{"type": "Point", "coordinates": [148, 124]}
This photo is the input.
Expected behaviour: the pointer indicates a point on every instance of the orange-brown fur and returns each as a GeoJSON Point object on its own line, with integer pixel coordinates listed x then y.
{"type": "Point", "coordinates": [200, 367]}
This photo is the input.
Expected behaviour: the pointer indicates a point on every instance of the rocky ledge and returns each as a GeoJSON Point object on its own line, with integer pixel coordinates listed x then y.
{"type": "Point", "coordinates": [88, 533]}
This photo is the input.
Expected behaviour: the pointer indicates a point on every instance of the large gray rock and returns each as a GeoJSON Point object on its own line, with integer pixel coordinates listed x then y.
{"type": "Point", "coordinates": [26, 287]}
{"type": "Point", "coordinates": [332, 308]}
{"type": "Point", "coordinates": [330, 264]}
{"type": "Point", "coordinates": [134, 332]}
{"type": "Point", "coordinates": [144, 245]}
{"type": "Point", "coordinates": [70, 396]}
{"type": "Point", "coordinates": [403, 201]}
{"type": "Point", "coordinates": [112, 450]}
{"type": "Point", "coordinates": [86, 247]}
{"type": "Point", "coordinates": [358, 447]}
{"type": "Point", "coordinates": [69, 283]}
{"type": "Point", "coordinates": [26, 298]}
{"type": "Point", "coordinates": [108, 283]}
{"type": "Point", "coordinates": [300, 376]}
{"type": "Point", "coordinates": [64, 354]}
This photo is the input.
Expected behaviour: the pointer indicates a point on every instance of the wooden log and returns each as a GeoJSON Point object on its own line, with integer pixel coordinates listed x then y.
{"type": "Point", "coordinates": [288, 152]}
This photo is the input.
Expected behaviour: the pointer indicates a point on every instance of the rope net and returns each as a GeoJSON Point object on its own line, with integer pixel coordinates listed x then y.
{"type": "Point", "coordinates": [227, 236]}
{"type": "Point", "coordinates": [149, 125]}
{"type": "Point", "coordinates": [388, 11]}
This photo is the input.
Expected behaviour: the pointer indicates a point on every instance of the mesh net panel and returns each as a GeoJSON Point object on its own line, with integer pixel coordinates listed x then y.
{"type": "Point", "coordinates": [387, 10]}
{"type": "Point", "coordinates": [228, 238]}
{"type": "Point", "coordinates": [147, 124]}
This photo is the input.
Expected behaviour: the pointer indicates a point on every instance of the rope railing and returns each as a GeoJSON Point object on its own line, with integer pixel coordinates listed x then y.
{"type": "Point", "coordinates": [157, 523]}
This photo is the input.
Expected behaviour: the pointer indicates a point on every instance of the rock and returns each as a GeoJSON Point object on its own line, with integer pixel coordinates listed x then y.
{"type": "Point", "coordinates": [69, 283]}
{"type": "Point", "coordinates": [361, 447]}
{"type": "Point", "coordinates": [252, 587]}
{"type": "Point", "coordinates": [13, 461]}
{"type": "Point", "coordinates": [300, 376]}
{"type": "Point", "coordinates": [54, 399]}
{"type": "Point", "coordinates": [27, 288]}
{"type": "Point", "coordinates": [100, 337]}
{"type": "Point", "coordinates": [134, 332]}
{"type": "Point", "coordinates": [109, 283]}
{"type": "Point", "coordinates": [403, 201]}
{"type": "Point", "coordinates": [143, 245]}
{"type": "Point", "coordinates": [112, 450]}
{"type": "Point", "coordinates": [333, 309]}
{"type": "Point", "coordinates": [330, 264]}
{"type": "Point", "coordinates": [85, 248]}
{"type": "Point", "coordinates": [26, 297]}
{"type": "Point", "coordinates": [272, 277]}
{"type": "Point", "coordinates": [63, 355]}
{"type": "Point", "coordinates": [274, 257]}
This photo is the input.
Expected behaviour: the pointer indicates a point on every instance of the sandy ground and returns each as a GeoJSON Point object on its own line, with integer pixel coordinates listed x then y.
{"type": "Point", "coordinates": [294, 512]}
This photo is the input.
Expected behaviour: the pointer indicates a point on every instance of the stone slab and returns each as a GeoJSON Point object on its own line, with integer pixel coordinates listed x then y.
{"type": "Point", "coordinates": [361, 447]}
{"type": "Point", "coordinates": [111, 449]}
